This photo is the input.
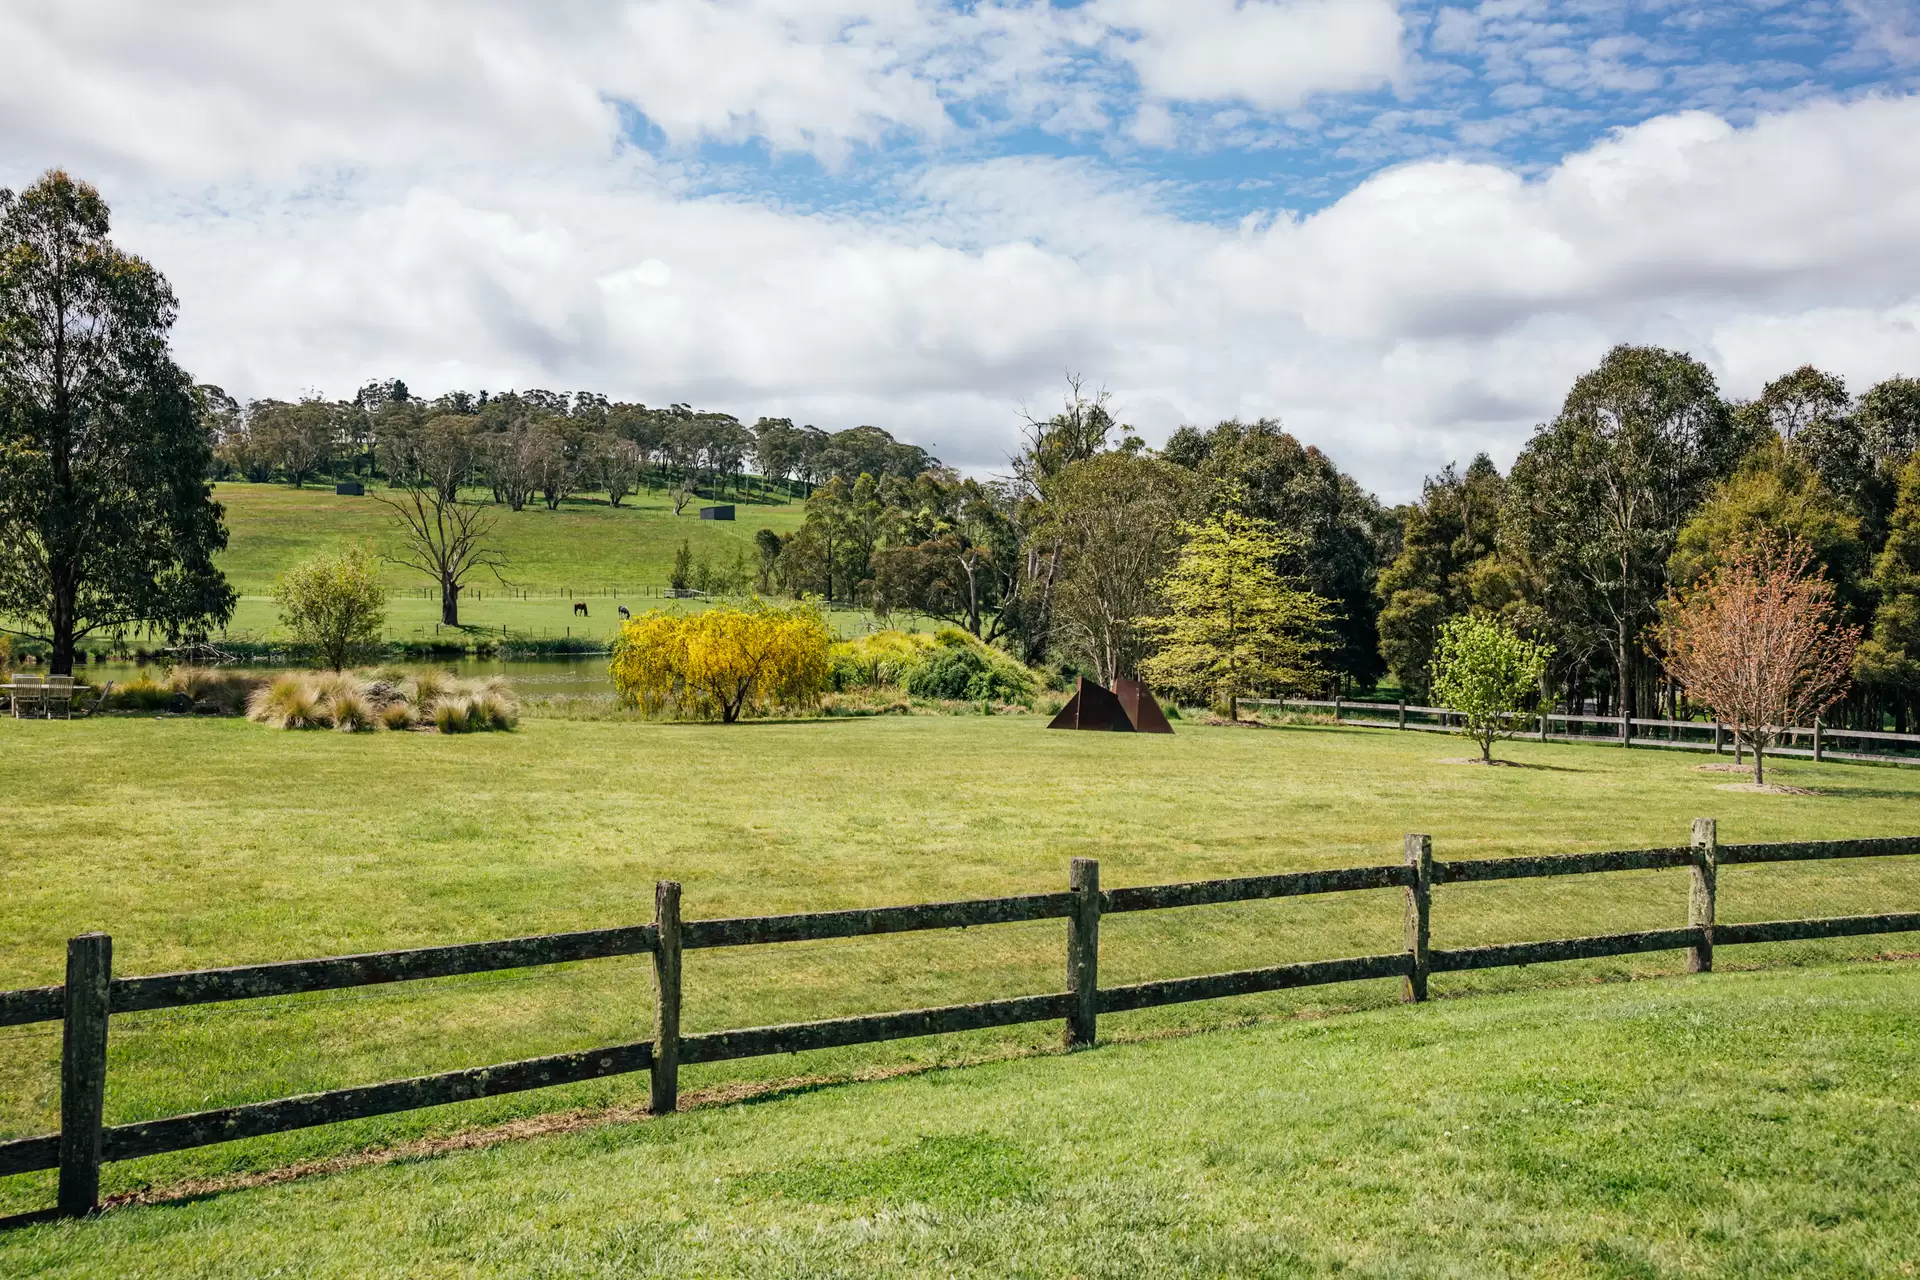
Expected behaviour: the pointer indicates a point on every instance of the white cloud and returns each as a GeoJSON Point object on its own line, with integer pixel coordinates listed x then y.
{"type": "Point", "coordinates": [1274, 54]}
{"type": "Point", "coordinates": [341, 193]}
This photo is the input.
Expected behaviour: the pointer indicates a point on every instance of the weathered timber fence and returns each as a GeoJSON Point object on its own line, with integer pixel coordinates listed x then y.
{"type": "Point", "coordinates": [1871, 745]}
{"type": "Point", "coordinates": [91, 994]}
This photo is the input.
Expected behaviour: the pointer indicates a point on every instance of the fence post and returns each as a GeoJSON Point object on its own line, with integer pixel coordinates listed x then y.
{"type": "Point", "coordinates": [83, 1071]}
{"type": "Point", "coordinates": [1419, 908]}
{"type": "Point", "coordinates": [1706, 867]}
{"type": "Point", "coordinates": [1403, 713]}
{"type": "Point", "coordinates": [1626, 727]}
{"type": "Point", "coordinates": [1719, 735]}
{"type": "Point", "coordinates": [1816, 740]}
{"type": "Point", "coordinates": [1083, 951]}
{"type": "Point", "coordinates": [665, 1094]}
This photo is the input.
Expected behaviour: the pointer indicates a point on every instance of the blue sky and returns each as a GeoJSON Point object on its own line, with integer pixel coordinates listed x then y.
{"type": "Point", "coordinates": [1401, 228]}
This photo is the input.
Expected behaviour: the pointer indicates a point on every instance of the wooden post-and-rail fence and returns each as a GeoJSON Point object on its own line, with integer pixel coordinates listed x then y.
{"type": "Point", "coordinates": [91, 994]}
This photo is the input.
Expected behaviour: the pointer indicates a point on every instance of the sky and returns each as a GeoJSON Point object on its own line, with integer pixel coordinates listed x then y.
{"type": "Point", "coordinates": [1402, 229]}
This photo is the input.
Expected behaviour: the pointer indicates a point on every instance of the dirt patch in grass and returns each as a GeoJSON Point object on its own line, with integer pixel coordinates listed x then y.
{"type": "Point", "coordinates": [1765, 789]}
{"type": "Point", "coordinates": [1502, 764]}
{"type": "Point", "coordinates": [1725, 768]}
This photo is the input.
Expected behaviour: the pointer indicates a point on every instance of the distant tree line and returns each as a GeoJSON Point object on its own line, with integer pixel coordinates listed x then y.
{"type": "Point", "coordinates": [537, 446]}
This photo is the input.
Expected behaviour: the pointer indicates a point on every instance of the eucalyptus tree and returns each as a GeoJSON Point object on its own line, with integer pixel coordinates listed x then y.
{"type": "Point", "coordinates": [1596, 500]}
{"type": "Point", "coordinates": [106, 518]}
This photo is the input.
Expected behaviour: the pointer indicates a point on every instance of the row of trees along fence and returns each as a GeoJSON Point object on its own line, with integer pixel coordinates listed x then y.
{"type": "Point", "coordinates": [1869, 745]}
{"type": "Point", "coordinates": [91, 993]}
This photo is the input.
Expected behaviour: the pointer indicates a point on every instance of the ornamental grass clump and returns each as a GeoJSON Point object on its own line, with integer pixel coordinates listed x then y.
{"type": "Point", "coordinates": [431, 701]}
{"type": "Point", "coordinates": [289, 702]}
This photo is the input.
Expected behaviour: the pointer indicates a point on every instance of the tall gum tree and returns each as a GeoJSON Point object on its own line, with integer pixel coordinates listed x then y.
{"type": "Point", "coordinates": [106, 518]}
{"type": "Point", "coordinates": [1596, 501]}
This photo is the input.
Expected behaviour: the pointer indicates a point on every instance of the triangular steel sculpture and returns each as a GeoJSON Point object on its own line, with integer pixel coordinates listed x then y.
{"type": "Point", "coordinates": [1138, 702]}
{"type": "Point", "coordinates": [1092, 707]}
{"type": "Point", "coordinates": [1127, 708]}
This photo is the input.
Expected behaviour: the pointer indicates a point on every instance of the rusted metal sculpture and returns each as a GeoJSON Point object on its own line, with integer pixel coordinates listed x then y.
{"type": "Point", "coordinates": [1127, 708]}
{"type": "Point", "coordinates": [1138, 702]}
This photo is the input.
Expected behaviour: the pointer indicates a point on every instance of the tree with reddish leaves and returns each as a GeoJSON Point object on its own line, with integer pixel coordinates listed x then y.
{"type": "Point", "coordinates": [1757, 641]}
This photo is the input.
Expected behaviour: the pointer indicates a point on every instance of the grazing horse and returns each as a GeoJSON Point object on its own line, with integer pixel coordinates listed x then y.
{"type": "Point", "coordinates": [579, 608]}
{"type": "Point", "coordinates": [626, 615]}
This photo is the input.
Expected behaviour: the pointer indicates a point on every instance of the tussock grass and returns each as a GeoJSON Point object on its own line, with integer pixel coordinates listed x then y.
{"type": "Point", "coordinates": [384, 700]}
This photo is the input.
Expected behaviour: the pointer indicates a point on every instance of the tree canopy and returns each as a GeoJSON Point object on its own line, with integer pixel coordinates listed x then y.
{"type": "Point", "coordinates": [106, 518]}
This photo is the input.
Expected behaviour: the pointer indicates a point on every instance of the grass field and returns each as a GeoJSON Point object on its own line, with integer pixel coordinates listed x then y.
{"type": "Point", "coordinates": [586, 550]}
{"type": "Point", "coordinates": [198, 843]}
{"type": "Point", "coordinates": [1731, 1125]}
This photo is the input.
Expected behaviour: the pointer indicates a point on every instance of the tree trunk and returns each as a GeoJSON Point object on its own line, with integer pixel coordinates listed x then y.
{"type": "Point", "coordinates": [1759, 766]}
{"type": "Point", "coordinates": [449, 603]}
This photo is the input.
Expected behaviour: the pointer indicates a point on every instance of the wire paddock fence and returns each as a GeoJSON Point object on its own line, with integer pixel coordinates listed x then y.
{"type": "Point", "coordinates": [92, 994]}
{"type": "Point", "coordinates": [1862, 746]}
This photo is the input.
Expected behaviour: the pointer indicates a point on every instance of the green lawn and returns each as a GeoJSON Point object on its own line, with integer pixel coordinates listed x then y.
{"type": "Point", "coordinates": [585, 550]}
{"type": "Point", "coordinates": [207, 842]}
{"type": "Point", "coordinates": [1730, 1125]}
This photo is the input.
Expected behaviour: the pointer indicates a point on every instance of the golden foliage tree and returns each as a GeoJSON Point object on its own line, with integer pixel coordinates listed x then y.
{"type": "Point", "coordinates": [723, 662]}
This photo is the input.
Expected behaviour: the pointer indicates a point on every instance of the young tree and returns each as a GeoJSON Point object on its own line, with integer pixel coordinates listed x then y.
{"type": "Point", "coordinates": [106, 519]}
{"type": "Point", "coordinates": [334, 603]}
{"type": "Point", "coordinates": [680, 577]}
{"type": "Point", "coordinates": [1486, 673]}
{"type": "Point", "coordinates": [446, 540]}
{"type": "Point", "coordinates": [1756, 641]}
{"type": "Point", "coordinates": [1234, 624]}
{"type": "Point", "coordinates": [722, 662]}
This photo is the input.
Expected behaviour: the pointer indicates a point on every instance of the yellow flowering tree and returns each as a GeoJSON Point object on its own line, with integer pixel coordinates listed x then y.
{"type": "Point", "coordinates": [722, 662]}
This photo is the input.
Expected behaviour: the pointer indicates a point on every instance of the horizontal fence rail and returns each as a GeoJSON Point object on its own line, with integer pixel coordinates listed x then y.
{"type": "Point", "coordinates": [91, 994]}
{"type": "Point", "coordinates": [1633, 731]}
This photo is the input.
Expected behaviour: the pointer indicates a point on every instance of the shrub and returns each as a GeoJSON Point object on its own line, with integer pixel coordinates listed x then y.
{"type": "Point", "coordinates": [722, 663]}
{"type": "Point", "coordinates": [950, 664]}
{"type": "Point", "coordinates": [142, 693]}
{"type": "Point", "coordinates": [334, 604]}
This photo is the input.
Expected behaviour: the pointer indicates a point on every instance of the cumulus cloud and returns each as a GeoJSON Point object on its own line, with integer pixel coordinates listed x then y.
{"type": "Point", "coordinates": [1271, 53]}
{"type": "Point", "coordinates": [341, 193]}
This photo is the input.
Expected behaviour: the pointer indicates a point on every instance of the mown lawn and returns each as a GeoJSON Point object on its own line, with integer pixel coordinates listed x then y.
{"type": "Point", "coordinates": [205, 842]}
{"type": "Point", "coordinates": [1730, 1125]}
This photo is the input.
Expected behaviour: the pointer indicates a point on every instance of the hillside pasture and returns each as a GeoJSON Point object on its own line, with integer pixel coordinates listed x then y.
{"type": "Point", "coordinates": [586, 550]}
{"type": "Point", "coordinates": [199, 843]}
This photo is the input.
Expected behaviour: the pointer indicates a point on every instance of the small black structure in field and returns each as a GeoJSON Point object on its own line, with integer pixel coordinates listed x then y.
{"type": "Point", "coordinates": [349, 489]}
{"type": "Point", "coordinates": [716, 513]}
{"type": "Point", "coordinates": [1127, 708]}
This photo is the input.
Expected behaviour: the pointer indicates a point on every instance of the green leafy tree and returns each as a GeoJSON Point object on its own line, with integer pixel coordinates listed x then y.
{"type": "Point", "coordinates": [680, 577]}
{"type": "Point", "coordinates": [1596, 501]}
{"type": "Point", "coordinates": [334, 603]}
{"type": "Point", "coordinates": [106, 519]}
{"type": "Point", "coordinates": [1234, 625]}
{"type": "Point", "coordinates": [1489, 675]}
{"type": "Point", "coordinates": [1450, 531]}
{"type": "Point", "coordinates": [1776, 491]}
{"type": "Point", "coordinates": [1889, 660]}
{"type": "Point", "coordinates": [1272, 476]}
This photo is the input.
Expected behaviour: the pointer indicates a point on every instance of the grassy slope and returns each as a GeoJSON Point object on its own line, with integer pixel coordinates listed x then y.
{"type": "Point", "coordinates": [1727, 1125]}
{"type": "Point", "coordinates": [200, 843]}
{"type": "Point", "coordinates": [585, 547]}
